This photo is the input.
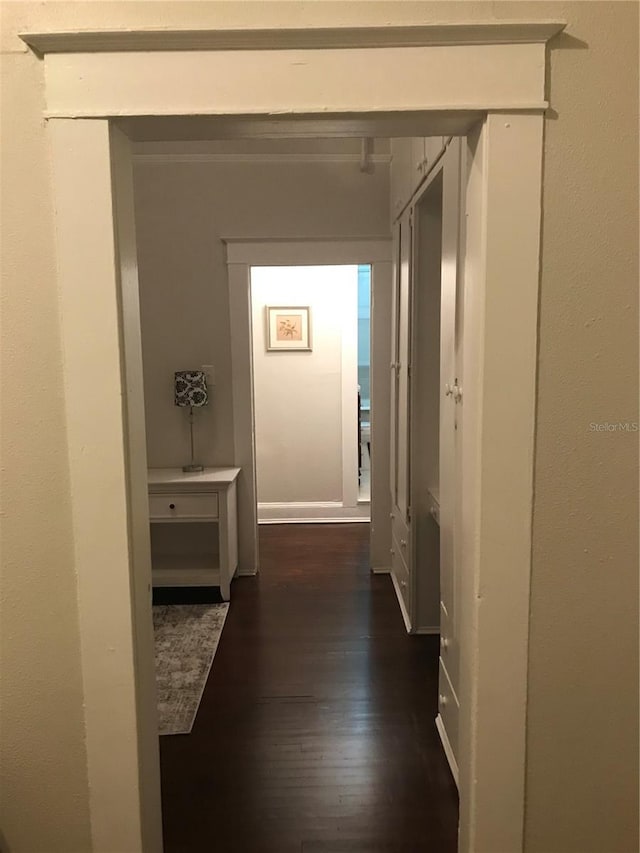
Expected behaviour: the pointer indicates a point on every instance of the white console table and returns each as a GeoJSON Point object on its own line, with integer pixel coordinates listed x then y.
{"type": "Point", "coordinates": [176, 497]}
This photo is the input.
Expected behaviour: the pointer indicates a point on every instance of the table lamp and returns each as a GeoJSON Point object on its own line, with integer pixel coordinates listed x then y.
{"type": "Point", "coordinates": [191, 392]}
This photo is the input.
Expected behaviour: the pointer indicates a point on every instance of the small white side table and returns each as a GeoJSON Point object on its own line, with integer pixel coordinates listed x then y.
{"type": "Point", "coordinates": [178, 497]}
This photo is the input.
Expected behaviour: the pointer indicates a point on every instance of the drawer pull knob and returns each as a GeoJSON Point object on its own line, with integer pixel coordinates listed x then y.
{"type": "Point", "coordinates": [172, 506]}
{"type": "Point", "coordinates": [392, 552]}
{"type": "Point", "coordinates": [403, 584]}
{"type": "Point", "coordinates": [442, 700]}
{"type": "Point", "coordinates": [444, 644]}
{"type": "Point", "coordinates": [403, 543]}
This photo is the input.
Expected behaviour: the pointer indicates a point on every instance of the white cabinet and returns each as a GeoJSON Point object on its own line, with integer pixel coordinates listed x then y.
{"type": "Point", "coordinates": [194, 527]}
{"type": "Point", "coordinates": [402, 183]}
{"type": "Point", "coordinates": [426, 394]}
{"type": "Point", "coordinates": [426, 151]}
{"type": "Point", "coordinates": [400, 406]}
{"type": "Point", "coordinates": [412, 158]}
{"type": "Point", "coordinates": [451, 397]}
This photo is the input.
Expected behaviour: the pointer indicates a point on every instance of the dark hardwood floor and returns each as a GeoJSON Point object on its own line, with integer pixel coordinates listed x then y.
{"type": "Point", "coordinates": [316, 730]}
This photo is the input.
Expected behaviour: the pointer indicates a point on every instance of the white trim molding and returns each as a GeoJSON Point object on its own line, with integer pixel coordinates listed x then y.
{"type": "Point", "coordinates": [147, 158]}
{"type": "Point", "coordinates": [309, 38]}
{"type": "Point", "coordinates": [242, 254]}
{"type": "Point", "coordinates": [467, 70]}
{"type": "Point", "coordinates": [310, 512]}
{"type": "Point", "coordinates": [307, 251]}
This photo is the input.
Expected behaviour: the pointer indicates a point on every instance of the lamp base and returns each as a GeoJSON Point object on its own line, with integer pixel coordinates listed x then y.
{"type": "Point", "coordinates": [192, 468]}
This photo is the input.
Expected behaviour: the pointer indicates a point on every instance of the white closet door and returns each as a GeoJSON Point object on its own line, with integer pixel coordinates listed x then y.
{"type": "Point", "coordinates": [450, 400]}
{"type": "Point", "coordinates": [393, 375]}
{"type": "Point", "coordinates": [403, 369]}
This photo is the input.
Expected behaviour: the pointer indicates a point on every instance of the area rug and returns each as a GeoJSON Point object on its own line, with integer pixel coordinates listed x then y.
{"type": "Point", "coordinates": [186, 639]}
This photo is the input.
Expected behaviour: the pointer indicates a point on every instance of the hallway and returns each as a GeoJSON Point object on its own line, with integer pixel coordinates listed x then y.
{"type": "Point", "coordinates": [316, 730]}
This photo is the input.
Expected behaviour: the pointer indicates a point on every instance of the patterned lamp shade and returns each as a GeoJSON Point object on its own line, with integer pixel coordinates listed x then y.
{"type": "Point", "coordinates": [191, 388]}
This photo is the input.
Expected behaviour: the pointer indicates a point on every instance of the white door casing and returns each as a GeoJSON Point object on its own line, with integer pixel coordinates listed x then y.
{"type": "Point", "coordinates": [453, 73]}
{"type": "Point", "coordinates": [242, 254]}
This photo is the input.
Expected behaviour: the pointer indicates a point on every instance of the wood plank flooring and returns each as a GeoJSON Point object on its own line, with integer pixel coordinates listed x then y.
{"type": "Point", "coordinates": [316, 730]}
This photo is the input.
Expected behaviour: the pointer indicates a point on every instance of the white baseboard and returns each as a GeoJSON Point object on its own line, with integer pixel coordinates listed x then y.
{"type": "Point", "coordinates": [311, 511]}
{"type": "Point", "coordinates": [403, 609]}
{"type": "Point", "coordinates": [446, 745]}
{"type": "Point", "coordinates": [380, 570]}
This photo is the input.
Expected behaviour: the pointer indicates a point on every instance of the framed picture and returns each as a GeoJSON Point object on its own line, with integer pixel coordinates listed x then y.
{"type": "Point", "coordinates": [288, 327]}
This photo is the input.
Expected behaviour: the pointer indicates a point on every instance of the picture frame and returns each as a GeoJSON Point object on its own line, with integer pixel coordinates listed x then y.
{"type": "Point", "coordinates": [288, 328]}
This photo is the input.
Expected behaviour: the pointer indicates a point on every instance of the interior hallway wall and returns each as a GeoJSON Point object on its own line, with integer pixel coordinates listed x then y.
{"type": "Point", "coordinates": [298, 395]}
{"type": "Point", "coordinates": [183, 211]}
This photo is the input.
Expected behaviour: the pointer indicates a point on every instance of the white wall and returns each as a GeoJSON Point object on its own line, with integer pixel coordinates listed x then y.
{"type": "Point", "coordinates": [182, 211]}
{"type": "Point", "coordinates": [298, 395]}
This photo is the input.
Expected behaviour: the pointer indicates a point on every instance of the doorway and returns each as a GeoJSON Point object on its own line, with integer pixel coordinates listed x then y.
{"type": "Point", "coordinates": [305, 346]}
{"type": "Point", "coordinates": [500, 318]}
{"type": "Point", "coordinates": [375, 253]}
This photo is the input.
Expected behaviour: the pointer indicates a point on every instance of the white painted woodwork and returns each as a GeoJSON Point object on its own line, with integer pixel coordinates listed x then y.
{"type": "Point", "coordinates": [450, 428]}
{"type": "Point", "coordinates": [380, 414]}
{"type": "Point", "coordinates": [426, 150]}
{"type": "Point", "coordinates": [160, 158]}
{"type": "Point", "coordinates": [433, 147]}
{"type": "Point", "coordinates": [135, 450]}
{"type": "Point", "coordinates": [243, 416]}
{"type": "Point", "coordinates": [428, 237]}
{"type": "Point", "coordinates": [304, 512]}
{"type": "Point", "coordinates": [179, 497]}
{"type": "Point", "coordinates": [412, 158]}
{"type": "Point", "coordinates": [204, 128]}
{"type": "Point", "coordinates": [403, 333]}
{"type": "Point", "coordinates": [401, 183]}
{"type": "Point", "coordinates": [501, 269]}
{"type": "Point", "coordinates": [308, 251]}
{"type": "Point", "coordinates": [241, 256]}
{"type": "Point", "coordinates": [112, 41]}
{"type": "Point", "coordinates": [178, 507]}
{"type": "Point", "coordinates": [425, 396]}
{"type": "Point", "coordinates": [393, 372]}
{"type": "Point", "coordinates": [232, 82]}
{"type": "Point", "coordinates": [98, 285]}
{"type": "Point", "coordinates": [448, 709]}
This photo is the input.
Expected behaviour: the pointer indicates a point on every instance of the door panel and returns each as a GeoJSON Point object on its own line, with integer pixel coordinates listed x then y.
{"type": "Point", "coordinates": [393, 374]}
{"type": "Point", "coordinates": [402, 179]}
{"type": "Point", "coordinates": [403, 369]}
{"type": "Point", "coordinates": [450, 378]}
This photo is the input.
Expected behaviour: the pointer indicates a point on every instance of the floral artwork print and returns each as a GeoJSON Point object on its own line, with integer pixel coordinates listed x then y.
{"type": "Point", "coordinates": [288, 327]}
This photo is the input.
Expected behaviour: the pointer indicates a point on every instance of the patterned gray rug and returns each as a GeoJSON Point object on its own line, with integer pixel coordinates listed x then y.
{"type": "Point", "coordinates": [186, 639]}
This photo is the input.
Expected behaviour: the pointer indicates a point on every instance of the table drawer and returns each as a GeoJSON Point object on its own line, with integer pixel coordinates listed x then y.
{"type": "Point", "coordinates": [182, 507]}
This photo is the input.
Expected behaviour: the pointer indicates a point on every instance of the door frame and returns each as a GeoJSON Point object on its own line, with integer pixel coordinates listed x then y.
{"type": "Point", "coordinates": [242, 254]}
{"type": "Point", "coordinates": [486, 81]}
